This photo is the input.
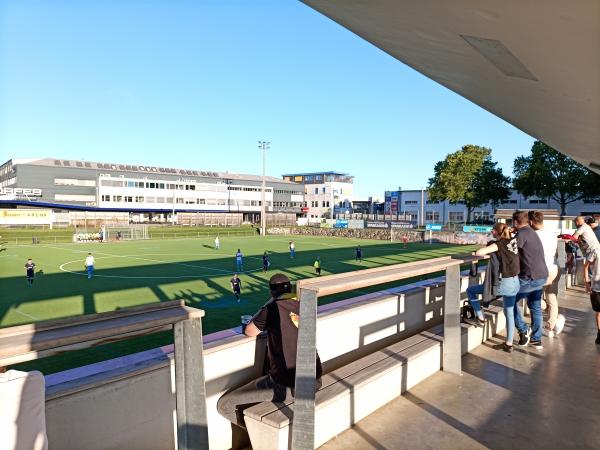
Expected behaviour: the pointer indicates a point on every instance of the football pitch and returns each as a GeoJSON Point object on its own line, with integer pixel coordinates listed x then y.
{"type": "Point", "coordinates": [130, 273]}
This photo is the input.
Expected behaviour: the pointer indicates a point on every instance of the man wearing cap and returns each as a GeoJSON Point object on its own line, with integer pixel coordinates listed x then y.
{"type": "Point", "coordinates": [279, 317]}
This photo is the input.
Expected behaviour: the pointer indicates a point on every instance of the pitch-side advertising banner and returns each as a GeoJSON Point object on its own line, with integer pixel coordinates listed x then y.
{"type": "Point", "coordinates": [25, 216]}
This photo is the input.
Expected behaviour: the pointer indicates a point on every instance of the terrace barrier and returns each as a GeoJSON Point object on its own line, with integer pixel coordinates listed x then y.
{"type": "Point", "coordinates": [303, 432]}
{"type": "Point", "coordinates": [38, 340]}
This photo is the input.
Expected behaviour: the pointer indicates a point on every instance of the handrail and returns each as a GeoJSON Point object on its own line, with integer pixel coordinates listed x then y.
{"type": "Point", "coordinates": [38, 340]}
{"type": "Point", "coordinates": [303, 437]}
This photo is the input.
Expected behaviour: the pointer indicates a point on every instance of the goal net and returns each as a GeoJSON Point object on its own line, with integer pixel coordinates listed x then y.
{"type": "Point", "coordinates": [125, 233]}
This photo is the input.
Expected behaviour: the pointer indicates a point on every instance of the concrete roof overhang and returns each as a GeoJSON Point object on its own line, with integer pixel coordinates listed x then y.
{"type": "Point", "coordinates": [535, 64]}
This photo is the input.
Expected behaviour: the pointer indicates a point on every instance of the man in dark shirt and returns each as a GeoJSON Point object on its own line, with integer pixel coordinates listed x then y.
{"type": "Point", "coordinates": [532, 278]}
{"type": "Point", "coordinates": [236, 286]}
{"type": "Point", "coordinates": [279, 317]}
{"type": "Point", "coordinates": [30, 270]}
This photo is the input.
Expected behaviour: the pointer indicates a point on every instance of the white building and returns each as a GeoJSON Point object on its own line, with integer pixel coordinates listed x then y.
{"type": "Point", "coordinates": [415, 205]}
{"type": "Point", "coordinates": [324, 191]}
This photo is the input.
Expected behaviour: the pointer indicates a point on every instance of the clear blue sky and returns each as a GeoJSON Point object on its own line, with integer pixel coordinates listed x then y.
{"type": "Point", "coordinates": [196, 84]}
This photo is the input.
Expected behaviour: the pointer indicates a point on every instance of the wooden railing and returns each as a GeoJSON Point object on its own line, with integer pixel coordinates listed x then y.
{"type": "Point", "coordinates": [38, 340]}
{"type": "Point", "coordinates": [310, 290]}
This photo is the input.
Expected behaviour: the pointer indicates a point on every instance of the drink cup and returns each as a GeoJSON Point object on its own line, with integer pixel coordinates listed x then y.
{"type": "Point", "coordinates": [246, 319]}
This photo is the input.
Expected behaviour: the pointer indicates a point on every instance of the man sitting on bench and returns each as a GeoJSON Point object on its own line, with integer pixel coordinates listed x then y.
{"type": "Point", "coordinates": [279, 317]}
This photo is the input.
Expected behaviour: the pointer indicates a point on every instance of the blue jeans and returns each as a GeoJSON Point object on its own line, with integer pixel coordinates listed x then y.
{"type": "Point", "coordinates": [508, 290]}
{"type": "Point", "coordinates": [239, 265]}
{"type": "Point", "coordinates": [90, 271]}
{"type": "Point", "coordinates": [473, 293]}
{"type": "Point", "coordinates": [531, 290]}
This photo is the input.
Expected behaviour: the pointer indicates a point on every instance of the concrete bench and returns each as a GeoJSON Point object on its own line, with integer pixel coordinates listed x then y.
{"type": "Point", "coordinates": [351, 392]}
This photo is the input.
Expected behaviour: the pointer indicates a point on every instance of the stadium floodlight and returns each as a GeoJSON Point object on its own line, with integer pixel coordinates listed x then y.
{"type": "Point", "coordinates": [264, 146]}
{"type": "Point", "coordinates": [228, 182]}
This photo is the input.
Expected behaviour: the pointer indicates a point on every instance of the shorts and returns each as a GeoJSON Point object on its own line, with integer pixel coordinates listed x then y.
{"type": "Point", "coordinates": [595, 300]}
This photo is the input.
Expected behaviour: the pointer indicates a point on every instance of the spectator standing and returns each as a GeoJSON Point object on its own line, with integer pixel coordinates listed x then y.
{"type": "Point", "coordinates": [506, 249]}
{"type": "Point", "coordinates": [556, 321]}
{"type": "Point", "coordinates": [532, 278]}
{"type": "Point", "coordinates": [590, 247]}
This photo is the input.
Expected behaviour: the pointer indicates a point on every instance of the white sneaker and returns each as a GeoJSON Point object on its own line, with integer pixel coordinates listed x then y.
{"type": "Point", "coordinates": [547, 332]}
{"type": "Point", "coordinates": [560, 324]}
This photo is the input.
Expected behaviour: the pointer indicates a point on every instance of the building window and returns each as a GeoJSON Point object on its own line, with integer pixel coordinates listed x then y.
{"type": "Point", "coordinates": [128, 199]}
{"type": "Point", "coordinates": [316, 190]}
{"type": "Point", "coordinates": [106, 198]}
{"type": "Point", "coordinates": [456, 217]}
{"type": "Point", "coordinates": [139, 199]}
{"type": "Point", "coordinates": [323, 190]}
{"type": "Point", "coordinates": [117, 198]}
{"type": "Point", "coordinates": [111, 183]}
{"type": "Point", "coordinates": [411, 202]}
{"type": "Point", "coordinates": [74, 182]}
{"type": "Point", "coordinates": [432, 216]}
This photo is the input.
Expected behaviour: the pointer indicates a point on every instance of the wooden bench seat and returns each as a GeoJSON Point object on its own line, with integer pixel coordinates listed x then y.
{"type": "Point", "coordinates": [351, 392]}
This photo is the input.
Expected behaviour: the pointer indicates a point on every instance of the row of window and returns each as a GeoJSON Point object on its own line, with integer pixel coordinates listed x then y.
{"type": "Point", "coordinates": [8, 182]}
{"type": "Point", "coordinates": [288, 204]}
{"type": "Point", "coordinates": [74, 182]}
{"type": "Point", "coordinates": [324, 204]}
{"type": "Point", "coordinates": [179, 200]}
{"type": "Point", "coordinates": [284, 191]}
{"type": "Point", "coordinates": [248, 189]}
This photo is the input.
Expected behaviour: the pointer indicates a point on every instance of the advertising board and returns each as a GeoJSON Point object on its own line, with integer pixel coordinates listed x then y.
{"type": "Point", "coordinates": [25, 216]}
{"type": "Point", "coordinates": [376, 224]}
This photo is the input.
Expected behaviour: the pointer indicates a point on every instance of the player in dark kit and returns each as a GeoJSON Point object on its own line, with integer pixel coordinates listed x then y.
{"type": "Point", "coordinates": [358, 254]}
{"type": "Point", "coordinates": [266, 262]}
{"type": "Point", "coordinates": [236, 286]}
{"type": "Point", "coordinates": [30, 269]}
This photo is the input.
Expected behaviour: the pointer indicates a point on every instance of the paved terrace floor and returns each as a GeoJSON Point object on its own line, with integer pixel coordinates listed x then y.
{"type": "Point", "coordinates": [529, 399]}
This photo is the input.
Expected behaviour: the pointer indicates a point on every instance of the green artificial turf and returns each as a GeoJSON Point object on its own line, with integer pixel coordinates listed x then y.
{"type": "Point", "coordinates": [132, 273]}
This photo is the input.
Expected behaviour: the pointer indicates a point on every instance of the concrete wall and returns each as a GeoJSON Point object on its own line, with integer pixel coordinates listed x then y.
{"type": "Point", "coordinates": [132, 406]}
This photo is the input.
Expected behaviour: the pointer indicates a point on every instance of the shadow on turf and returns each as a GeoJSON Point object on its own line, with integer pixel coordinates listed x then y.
{"type": "Point", "coordinates": [254, 284]}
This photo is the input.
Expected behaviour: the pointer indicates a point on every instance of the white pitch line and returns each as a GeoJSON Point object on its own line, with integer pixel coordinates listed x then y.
{"type": "Point", "coordinates": [199, 276]}
{"type": "Point", "coordinates": [26, 315]}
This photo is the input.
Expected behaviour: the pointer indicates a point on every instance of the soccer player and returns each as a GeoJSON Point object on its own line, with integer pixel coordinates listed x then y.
{"type": "Point", "coordinates": [217, 243]}
{"type": "Point", "coordinates": [236, 286]}
{"type": "Point", "coordinates": [30, 269]}
{"type": "Point", "coordinates": [317, 266]}
{"type": "Point", "coordinates": [239, 260]}
{"type": "Point", "coordinates": [404, 240]}
{"type": "Point", "coordinates": [266, 262]}
{"type": "Point", "coordinates": [292, 249]}
{"type": "Point", "coordinates": [358, 254]}
{"type": "Point", "coordinates": [89, 265]}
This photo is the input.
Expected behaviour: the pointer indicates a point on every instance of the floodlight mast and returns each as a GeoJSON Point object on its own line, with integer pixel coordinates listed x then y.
{"type": "Point", "coordinates": [264, 146]}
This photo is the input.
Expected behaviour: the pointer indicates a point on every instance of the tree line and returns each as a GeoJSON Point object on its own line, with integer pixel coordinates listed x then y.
{"type": "Point", "coordinates": [471, 176]}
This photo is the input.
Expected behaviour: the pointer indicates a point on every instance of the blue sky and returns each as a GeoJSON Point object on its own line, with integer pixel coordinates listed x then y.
{"type": "Point", "coordinates": [196, 84]}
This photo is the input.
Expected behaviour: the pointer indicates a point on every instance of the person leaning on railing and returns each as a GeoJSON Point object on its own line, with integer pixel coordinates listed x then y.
{"type": "Point", "coordinates": [507, 252]}
{"type": "Point", "coordinates": [279, 317]}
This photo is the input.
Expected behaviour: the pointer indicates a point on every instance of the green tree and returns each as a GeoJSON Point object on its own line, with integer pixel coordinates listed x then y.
{"type": "Point", "coordinates": [550, 174]}
{"type": "Point", "coordinates": [469, 175]}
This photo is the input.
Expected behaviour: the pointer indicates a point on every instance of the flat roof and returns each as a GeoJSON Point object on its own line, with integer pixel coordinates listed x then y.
{"type": "Point", "coordinates": [314, 173]}
{"type": "Point", "coordinates": [139, 168]}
